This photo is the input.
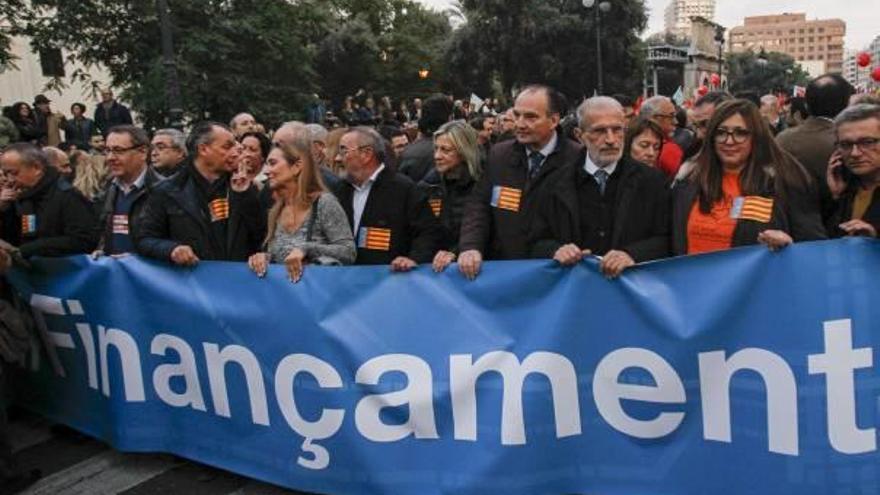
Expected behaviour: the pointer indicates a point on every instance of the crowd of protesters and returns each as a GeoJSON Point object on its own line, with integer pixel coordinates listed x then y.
{"type": "Point", "coordinates": [439, 182]}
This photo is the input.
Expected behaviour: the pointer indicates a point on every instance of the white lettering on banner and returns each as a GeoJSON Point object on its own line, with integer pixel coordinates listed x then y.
{"type": "Point", "coordinates": [417, 394]}
{"type": "Point", "coordinates": [839, 364]}
{"type": "Point", "coordinates": [716, 370]}
{"type": "Point", "coordinates": [608, 392]}
{"type": "Point", "coordinates": [463, 375]}
{"type": "Point", "coordinates": [782, 418]}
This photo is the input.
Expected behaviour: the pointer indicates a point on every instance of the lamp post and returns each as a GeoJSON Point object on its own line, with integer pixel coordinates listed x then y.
{"type": "Point", "coordinates": [172, 85]}
{"type": "Point", "coordinates": [719, 42]}
{"type": "Point", "coordinates": [603, 6]}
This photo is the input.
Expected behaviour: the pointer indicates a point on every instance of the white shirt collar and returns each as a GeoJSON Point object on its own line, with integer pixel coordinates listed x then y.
{"type": "Point", "coordinates": [548, 148]}
{"type": "Point", "coordinates": [137, 184]}
{"type": "Point", "coordinates": [369, 182]}
{"type": "Point", "coordinates": [591, 167]}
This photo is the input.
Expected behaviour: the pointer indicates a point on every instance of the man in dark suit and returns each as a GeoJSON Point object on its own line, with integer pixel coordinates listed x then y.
{"type": "Point", "coordinates": [610, 205]}
{"type": "Point", "coordinates": [133, 181]}
{"type": "Point", "coordinates": [203, 212]}
{"type": "Point", "coordinates": [390, 218]}
{"type": "Point", "coordinates": [110, 113]}
{"type": "Point", "coordinates": [812, 142]}
{"type": "Point", "coordinates": [418, 158]}
{"type": "Point", "coordinates": [496, 217]}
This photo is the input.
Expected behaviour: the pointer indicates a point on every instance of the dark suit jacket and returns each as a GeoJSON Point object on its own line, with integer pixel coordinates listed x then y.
{"type": "Point", "coordinates": [105, 220]}
{"type": "Point", "coordinates": [812, 143]}
{"type": "Point", "coordinates": [500, 233]}
{"type": "Point", "coordinates": [797, 215]}
{"type": "Point", "coordinates": [395, 203]}
{"type": "Point", "coordinates": [65, 220]}
{"type": "Point", "coordinates": [843, 210]}
{"type": "Point", "coordinates": [417, 159]}
{"type": "Point", "coordinates": [117, 115]}
{"type": "Point", "coordinates": [641, 219]}
{"type": "Point", "coordinates": [173, 216]}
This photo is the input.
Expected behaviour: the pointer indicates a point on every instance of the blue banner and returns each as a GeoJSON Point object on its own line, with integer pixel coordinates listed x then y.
{"type": "Point", "coordinates": [738, 372]}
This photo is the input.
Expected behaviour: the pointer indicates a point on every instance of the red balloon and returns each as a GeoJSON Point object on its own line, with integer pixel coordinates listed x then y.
{"type": "Point", "coordinates": [716, 79]}
{"type": "Point", "coordinates": [702, 90]}
{"type": "Point", "coordinates": [863, 59]}
{"type": "Point", "coordinates": [875, 74]}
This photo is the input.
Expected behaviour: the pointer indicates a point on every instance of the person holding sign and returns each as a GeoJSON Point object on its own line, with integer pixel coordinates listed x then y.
{"type": "Point", "coordinates": [306, 223]}
{"type": "Point", "coordinates": [204, 212]}
{"type": "Point", "coordinates": [456, 168]}
{"type": "Point", "coordinates": [133, 181]}
{"type": "Point", "coordinates": [743, 190]}
{"type": "Point", "coordinates": [43, 214]}
{"type": "Point", "coordinates": [390, 218]}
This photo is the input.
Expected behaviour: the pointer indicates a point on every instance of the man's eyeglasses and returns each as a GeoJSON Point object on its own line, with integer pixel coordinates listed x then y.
{"type": "Point", "coordinates": [119, 151]}
{"type": "Point", "coordinates": [863, 144]}
{"type": "Point", "coordinates": [701, 124]}
{"type": "Point", "coordinates": [739, 135]}
{"type": "Point", "coordinates": [163, 147]}
{"type": "Point", "coordinates": [670, 116]}
{"type": "Point", "coordinates": [344, 151]}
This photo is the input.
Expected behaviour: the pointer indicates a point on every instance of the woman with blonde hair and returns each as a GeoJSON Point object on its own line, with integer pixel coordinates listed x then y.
{"type": "Point", "coordinates": [91, 175]}
{"type": "Point", "coordinates": [457, 166]}
{"type": "Point", "coordinates": [306, 224]}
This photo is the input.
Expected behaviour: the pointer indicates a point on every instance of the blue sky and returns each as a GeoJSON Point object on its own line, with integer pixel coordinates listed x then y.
{"type": "Point", "coordinates": [861, 16]}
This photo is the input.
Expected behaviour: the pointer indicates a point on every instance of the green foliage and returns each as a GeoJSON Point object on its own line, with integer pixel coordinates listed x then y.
{"type": "Point", "coordinates": [264, 56]}
{"type": "Point", "coordinates": [517, 42]}
{"type": "Point", "coordinates": [779, 73]}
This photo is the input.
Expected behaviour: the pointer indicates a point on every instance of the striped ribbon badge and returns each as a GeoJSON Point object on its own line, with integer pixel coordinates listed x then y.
{"type": "Point", "coordinates": [120, 224]}
{"type": "Point", "coordinates": [374, 238]}
{"type": "Point", "coordinates": [436, 206]}
{"type": "Point", "coordinates": [28, 224]}
{"type": "Point", "coordinates": [756, 208]}
{"type": "Point", "coordinates": [506, 198]}
{"type": "Point", "coordinates": [219, 209]}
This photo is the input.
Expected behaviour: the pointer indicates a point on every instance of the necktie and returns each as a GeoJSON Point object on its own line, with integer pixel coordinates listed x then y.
{"type": "Point", "coordinates": [535, 161]}
{"type": "Point", "coordinates": [601, 177]}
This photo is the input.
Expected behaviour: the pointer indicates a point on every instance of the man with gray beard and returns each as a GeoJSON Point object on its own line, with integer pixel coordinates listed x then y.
{"type": "Point", "coordinates": [610, 206]}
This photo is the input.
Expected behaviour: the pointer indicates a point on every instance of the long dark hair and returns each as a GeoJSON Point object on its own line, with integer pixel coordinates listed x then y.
{"type": "Point", "coordinates": [768, 166]}
{"type": "Point", "coordinates": [636, 129]}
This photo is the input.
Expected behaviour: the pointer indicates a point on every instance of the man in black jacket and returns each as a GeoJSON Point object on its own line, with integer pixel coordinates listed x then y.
{"type": "Point", "coordinates": [204, 212]}
{"type": "Point", "coordinates": [133, 181]}
{"type": "Point", "coordinates": [611, 206]}
{"type": "Point", "coordinates": [110, 113]}
{"type": "Point", "coordinates": [390, 217]}
{"type": "Point", "coordinates": [418, 158]}
{"type": "Point", "coordinates": [496, 218]}
{"type": "Point", "coordinates": [49, 217]}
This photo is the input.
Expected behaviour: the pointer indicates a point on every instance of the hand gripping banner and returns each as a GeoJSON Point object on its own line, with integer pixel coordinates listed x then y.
{"type": "Point", "coordinates": [738, 372]}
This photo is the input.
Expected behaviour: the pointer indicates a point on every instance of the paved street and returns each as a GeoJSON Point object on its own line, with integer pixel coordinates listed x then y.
{"type": "Point", "coordinates": [72, 464]}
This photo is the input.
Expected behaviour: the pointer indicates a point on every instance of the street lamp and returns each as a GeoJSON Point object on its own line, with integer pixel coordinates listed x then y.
{"type": "Point", "coordinates": [603, 6]}
{"type": "Point", "coordinates": [423, 73]}
{"type": "Point", "coordinates": [719, 42]}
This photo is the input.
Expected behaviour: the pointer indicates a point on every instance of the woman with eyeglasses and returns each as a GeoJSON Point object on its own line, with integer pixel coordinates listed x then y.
{"type": "Point", "coordinates": [306, 224]}
{"type": "Point", "coordinates": [644, 140]}
{"type": "Point", "coordinates": [743, 190]}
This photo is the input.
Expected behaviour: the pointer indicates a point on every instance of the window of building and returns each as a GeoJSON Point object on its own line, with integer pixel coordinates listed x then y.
{"type": "Point", "coordinates": [52, 63]}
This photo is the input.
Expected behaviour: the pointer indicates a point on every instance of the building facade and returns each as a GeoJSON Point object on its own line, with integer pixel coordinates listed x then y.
{"type": "Point", "coordinates": [678, 13]}
{"type": "Point", "coordinates": [816, 44]}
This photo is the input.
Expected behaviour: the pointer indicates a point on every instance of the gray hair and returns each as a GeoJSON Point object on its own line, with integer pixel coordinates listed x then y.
{"type": "Point", "coordinates": [595, 103]}
{"type": "Point", "coordinates": [137, 135]}
{"type": "Point", "coordinates": [367, 136]}
{"type": "Point", "coordinates": [464, 138]}
{"type": "Point", "coordinates": [857, 113]}
{"type": "Point", "coordinates": [178, 139]}
{"type": "Point", "coordinates": [55, 155]}
{"type": "Point", "coordinates": [317, 132]}
{"type": "Point", "coordinates": [651, 106]}
{"type": "Point", "coordinates": [30, 154]}
{"type": "Point", "coordinates": [234, 119]}
{"type": "Point", "coordinates": [202, 133]}
{"type": "Point", "coordinates": [769, 100]}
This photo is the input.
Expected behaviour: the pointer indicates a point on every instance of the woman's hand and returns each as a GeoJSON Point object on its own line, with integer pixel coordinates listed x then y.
{"type": "Point", "coordinates": [858, 227]}
{"type": "Point", "coordinates": [441, 260]}
{"type": "Point", "coordinates": [295, 261]}
{"type": "Point", "coordinates": [774, 239]}
{"type": "Point", "coordinates": [259, 263]}
{"type": "Point", "coordinates": [402, 264]}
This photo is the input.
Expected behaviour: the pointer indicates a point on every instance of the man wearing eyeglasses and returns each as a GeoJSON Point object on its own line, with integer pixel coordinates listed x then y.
{"type": "Point", "coordinates": [133, 182]}
{"type": "Point", "coordinates": [704, 109]}
{"type": "Point", "coordinates": [854, 173]}
{"type": "Point", "coordinates": [167, 151]}
{"type": "Point", "coordinates": [661, 110]}
{"type": "Point", "coordinates": [610, 206]}
{"type": "Point", "coordinates": [390, 218]}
